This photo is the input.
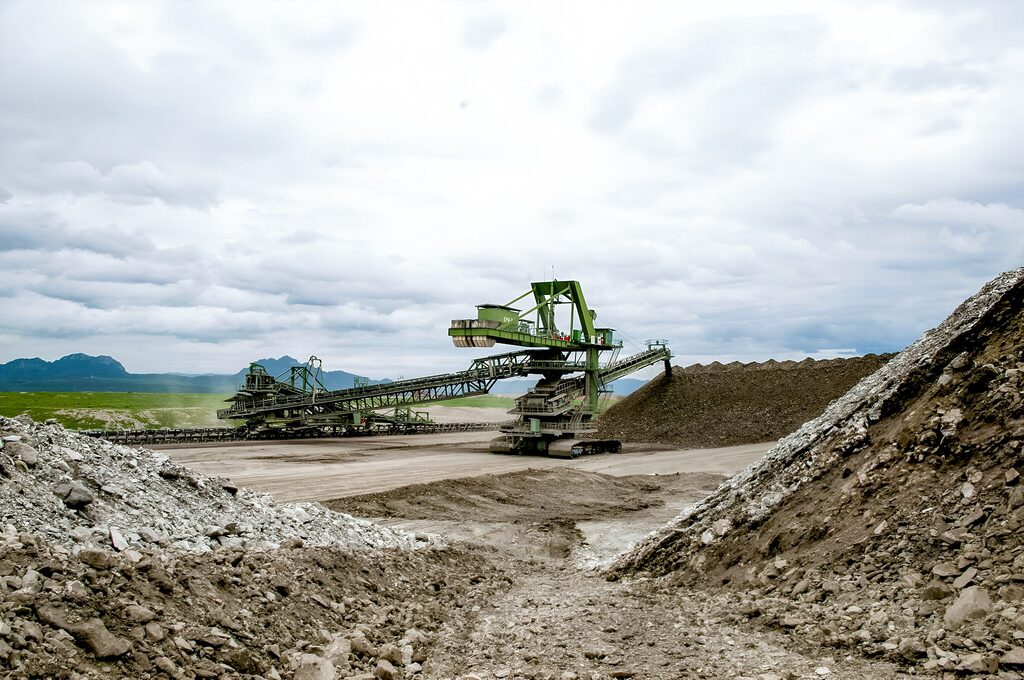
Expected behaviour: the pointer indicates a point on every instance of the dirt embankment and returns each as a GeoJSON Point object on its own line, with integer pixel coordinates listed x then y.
{"type": "Point", "coordinates": [728, 404]}
{"type": "Point", "coordinates": [893, 524]}
{"type": "Point", "coordinates": [530, 495]}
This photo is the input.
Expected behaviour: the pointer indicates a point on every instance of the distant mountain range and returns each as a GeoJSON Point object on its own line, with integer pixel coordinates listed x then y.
{"type": "Point", "coordinates": [85, 373]}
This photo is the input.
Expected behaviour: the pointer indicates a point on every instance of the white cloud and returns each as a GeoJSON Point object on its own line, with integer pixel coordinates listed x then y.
{"type": "Point", "coordinates": [188, 187]}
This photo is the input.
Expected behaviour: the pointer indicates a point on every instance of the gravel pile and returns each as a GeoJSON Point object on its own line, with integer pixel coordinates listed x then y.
{"type": "Point", "coordinates": [83, 492]}
{"type": "Point", "coordinates": [728, 404]}
{"type": "Point", "coordinates": [286, 614]}
{"type": "Point", "coordinates": [892, 524]}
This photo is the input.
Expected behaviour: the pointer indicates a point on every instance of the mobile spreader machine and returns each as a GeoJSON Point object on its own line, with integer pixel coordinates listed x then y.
{"type": "Point", "coordinates": [575, 363]}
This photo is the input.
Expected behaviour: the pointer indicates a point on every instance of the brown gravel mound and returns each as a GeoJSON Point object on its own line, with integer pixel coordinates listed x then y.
{"type": "Point", "coordinates": [231, 613]}
{"type": "Point", "coordinates": [894, 522]}
{"type": "Point", "coordinates": [530, 495]}
{"type": "Point", "coordinates": [712, 405]}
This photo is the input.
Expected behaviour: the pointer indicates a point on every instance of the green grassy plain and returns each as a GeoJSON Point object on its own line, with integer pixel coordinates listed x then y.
{"type": "Point", "coordinates": [134, 410]}
{"type": "Point", "coordinates": [115, 410]}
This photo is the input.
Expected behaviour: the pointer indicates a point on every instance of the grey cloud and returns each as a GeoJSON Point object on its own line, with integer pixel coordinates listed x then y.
{"type": "Point", "coordinates": [936, 75]}
{"type": "Point", "coordinates": [480, 32]}
{"type": "Point", "coordinates": [5, 195]}
{"type": "Point", "coordinates": [39, 230]}
{"type": "Point", "coordinates": [334, 38]}
{"type": "Point", "coordinates": [733, 118]}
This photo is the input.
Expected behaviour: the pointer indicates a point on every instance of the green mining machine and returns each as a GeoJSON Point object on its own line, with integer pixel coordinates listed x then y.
{"type": "Point", "coordinates": [575, 363]}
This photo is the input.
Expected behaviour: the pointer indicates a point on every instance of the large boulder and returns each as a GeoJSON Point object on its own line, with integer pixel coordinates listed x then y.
{"type": "Point", "coordinates": [973, 603]}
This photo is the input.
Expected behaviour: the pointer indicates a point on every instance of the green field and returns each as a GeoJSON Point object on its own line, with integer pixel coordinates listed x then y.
{"type": "Point", "coordinates": [116, 410]}
{"type": "Point", "coordinates": [134, 410]}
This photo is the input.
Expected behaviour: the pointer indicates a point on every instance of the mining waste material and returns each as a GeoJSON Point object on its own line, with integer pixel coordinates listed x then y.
{"type": "Point", "coordinates": [702, 406]}
{"type": "Point", "coordinates": [116, 562]}
{"type": "Point", "coordinates": [85, 492]}
{"type": "Point", "coordinates": [893, 523]}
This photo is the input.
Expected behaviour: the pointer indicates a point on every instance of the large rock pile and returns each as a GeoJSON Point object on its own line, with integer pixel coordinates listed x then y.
{"type": "Point", "coordinates": [729, 404]}
{"type": "Point", "coordinates": [86, 492]}
{"type": "Point", "coordinates": [300, 613]}
{"type": "Point", "coordinates": [116, 562]}
{"type": "Point", "coordinates": [894, 522]}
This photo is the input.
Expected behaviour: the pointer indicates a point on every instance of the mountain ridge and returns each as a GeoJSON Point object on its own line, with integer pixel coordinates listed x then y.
{"type": "Point", "coordinates": [85, 373]}
{"type": "Point", "coordinates": [102, 373]}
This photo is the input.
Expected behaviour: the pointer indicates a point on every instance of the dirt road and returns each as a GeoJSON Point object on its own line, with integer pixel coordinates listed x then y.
{"type": "Point", "coordinates": [323, 469]}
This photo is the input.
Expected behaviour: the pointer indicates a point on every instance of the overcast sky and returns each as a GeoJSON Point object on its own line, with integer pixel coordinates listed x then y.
{"type": "Point", "coordinates": [189, 186]}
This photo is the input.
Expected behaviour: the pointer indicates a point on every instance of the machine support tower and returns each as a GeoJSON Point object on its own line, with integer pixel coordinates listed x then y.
{"type": "Point", "coordinates": [563, 404]}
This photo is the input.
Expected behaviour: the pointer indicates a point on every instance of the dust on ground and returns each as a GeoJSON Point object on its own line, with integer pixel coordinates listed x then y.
{"type": "Point", "coordinates": [558, 616]}
{"type": "Point", "coordinates": [324, 469]}
{"type": "Point", "coordinates": [531, 513]}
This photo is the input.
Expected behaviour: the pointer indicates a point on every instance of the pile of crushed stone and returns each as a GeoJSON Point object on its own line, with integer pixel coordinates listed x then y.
{"type": "Point", "coordinates": [292, 613]}
{"type": "Point", "coordinates": [84, 492]}
{"type": "Point", "coordinates": [892, 524]}
{"type": "Point", "coordinates": [718, 404]}
{"type": "Point", "coordinates": [116, 562]}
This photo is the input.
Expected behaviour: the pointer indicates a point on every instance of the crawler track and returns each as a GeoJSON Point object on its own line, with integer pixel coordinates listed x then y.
{"type": "Point", "coordinates": [228, 434]}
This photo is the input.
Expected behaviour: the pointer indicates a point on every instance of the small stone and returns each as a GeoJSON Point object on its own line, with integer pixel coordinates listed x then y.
{"type": "Point", "coordinates": [967, 490]}
{"type": "Point", "coordinates": [385, 671]}
{"type": "Point", "coordinates": [313, 667]}
{"type": "Point", "coordinates": [391, 652]}
{"type": "Point", "coordinates": [1013, 658]}
{"type": "Point", "coordinates": [972, 518]}
{"type": "Point", "coordinates": [139, 614]}
{"type": "Point", "coordinates": [166, 665]}
{"type": "Point", "coordinates": [118, 540]}
{"type": "Point", "coordinates": [936, 590]}
{"type": "Point", "coordinates": [361, 646]}
{"type": "Point", "coordinates": [978, 663]}
{"type": "Point", "coordinates": [94, 636]}
{"type": "Point", "coordinates": [823, 670]}
{"type": "Point", "coordinates": [1011, 593]}
{"type": "Point", "coordinates": [154, 631]}
{"type": "Point", "coordinates": [1011, 477]}
{"type": "Point", "coordinates": [945, 569]}
{"type": "Point", "coordinates": [75, 494]}
{"type": "Point", "coordinates": [912, 648]}
{"type": "Point", "coordinates": [98, 559]}
{"type": "Point", "coordinates": [25, 453]}
{"type": "Point", "coordinates": [961, 581]}
{"type": "Point", "coordinates": [974, 603]}
{"type": "Point", "coordinates": [338, 651]}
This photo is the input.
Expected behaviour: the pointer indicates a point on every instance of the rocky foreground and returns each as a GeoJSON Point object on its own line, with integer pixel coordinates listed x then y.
{"type": "Point", "coordinates": [115, 562]}
{"type": "Point", "coordinates": [893, 524]}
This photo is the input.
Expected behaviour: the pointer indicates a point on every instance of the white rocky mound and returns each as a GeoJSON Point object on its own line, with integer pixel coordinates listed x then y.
{"type": "Point", "coordinates": [88, 492]}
